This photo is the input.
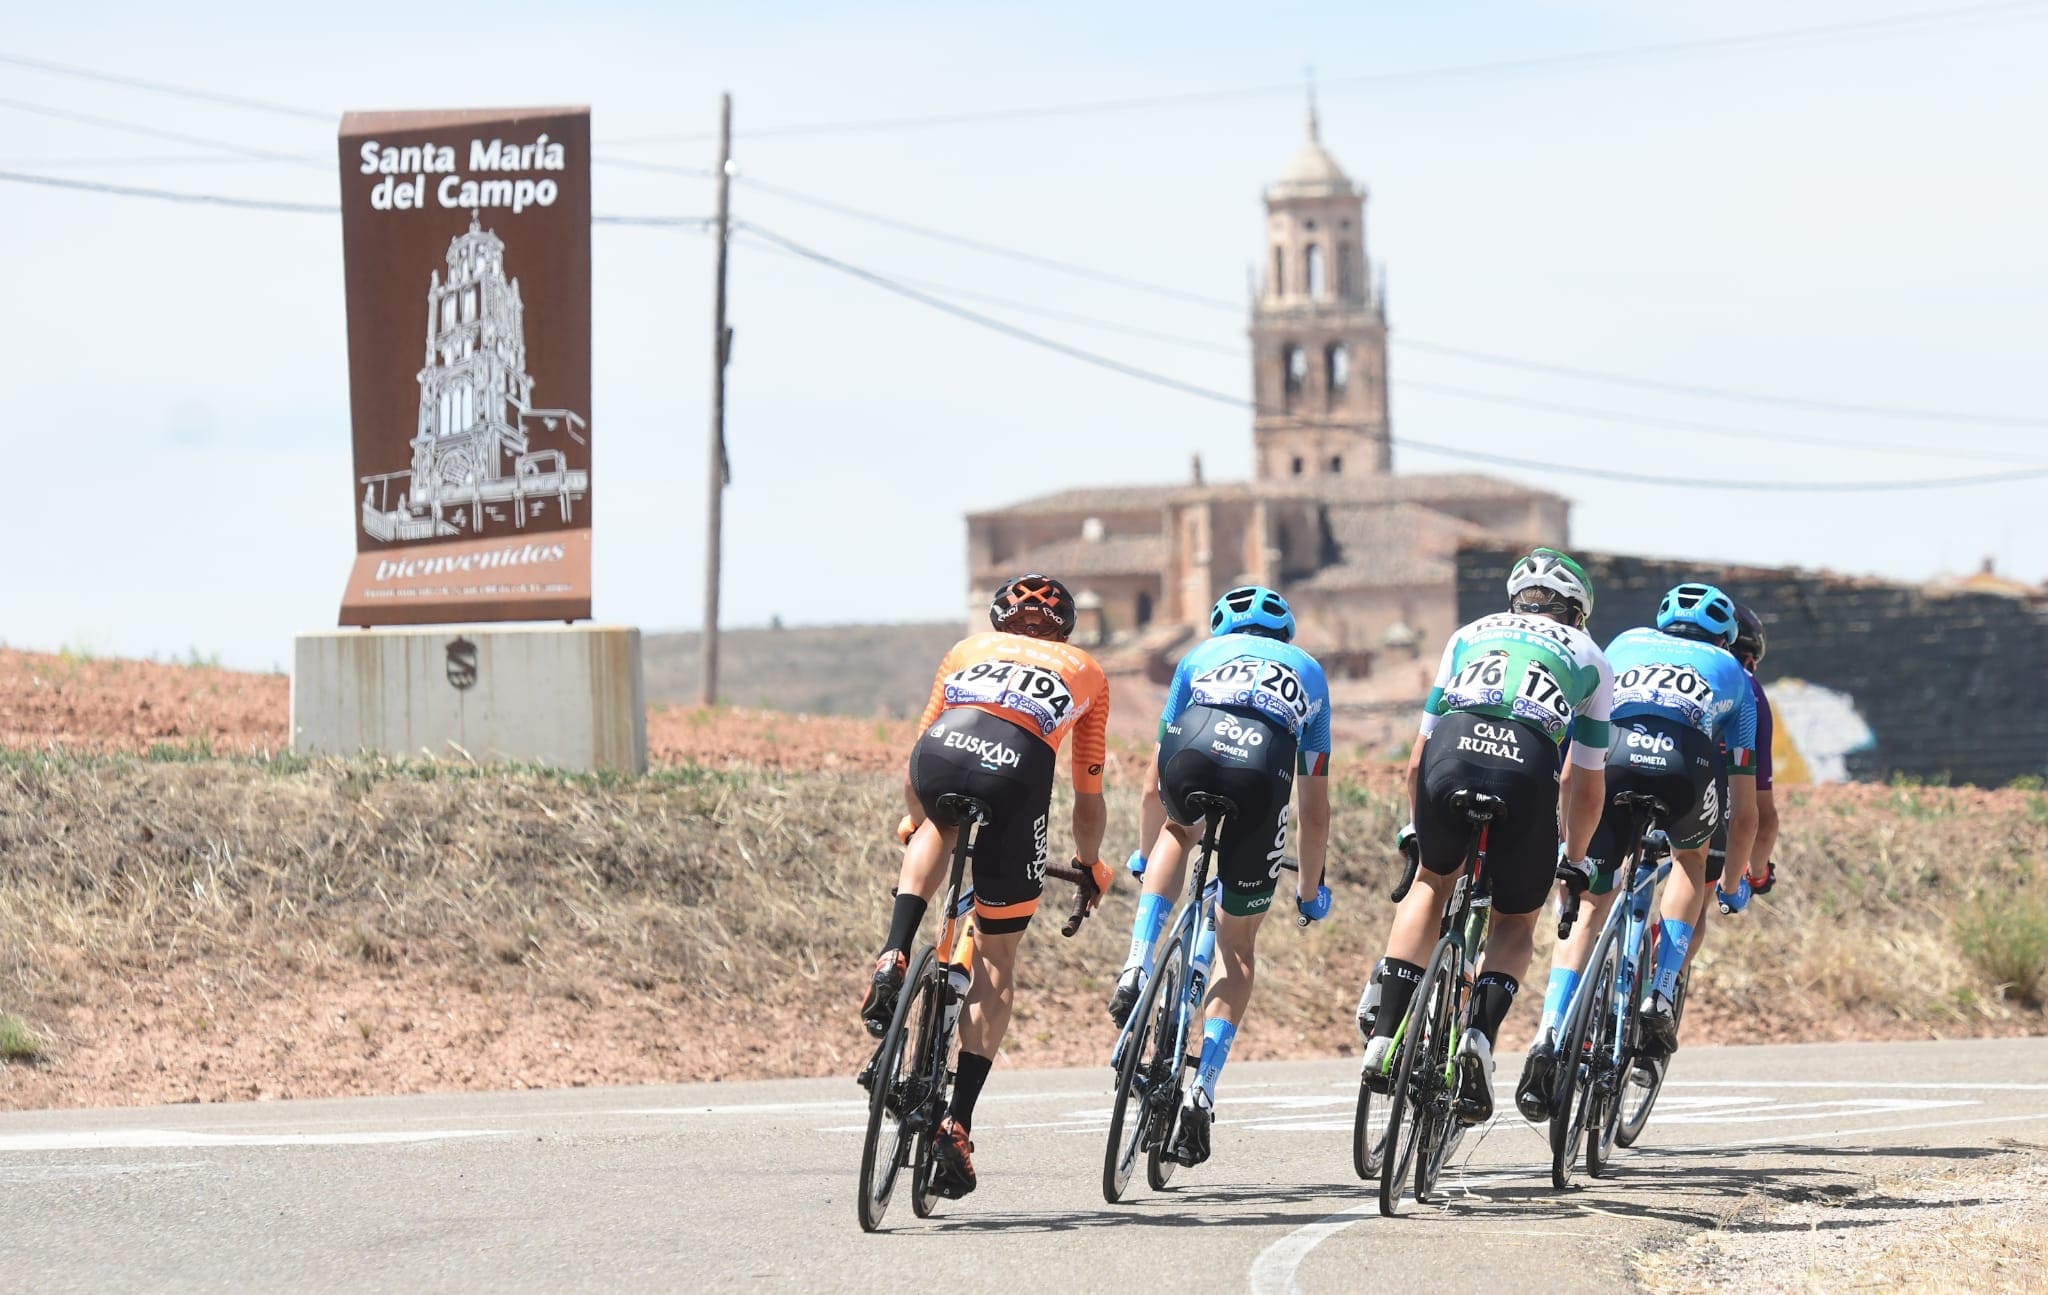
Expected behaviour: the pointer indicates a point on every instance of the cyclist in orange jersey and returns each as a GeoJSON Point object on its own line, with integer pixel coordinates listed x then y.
{"type": "Point", "coordinates": [1001, 705]}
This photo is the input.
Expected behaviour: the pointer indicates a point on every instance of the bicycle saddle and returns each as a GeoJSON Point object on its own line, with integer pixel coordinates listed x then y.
{"type": "Point", "coordinates": [1644, 801]}
{"type": "Point", "coordinates": [1208, 803]}
{"type": "Point", "coordinates": [1477, 805]}
{"type": "Point", "coordinates": [962, 808]}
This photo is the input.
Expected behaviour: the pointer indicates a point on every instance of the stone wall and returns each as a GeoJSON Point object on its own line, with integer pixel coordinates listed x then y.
{"type": "Point", "coordinates": [1950, 685]}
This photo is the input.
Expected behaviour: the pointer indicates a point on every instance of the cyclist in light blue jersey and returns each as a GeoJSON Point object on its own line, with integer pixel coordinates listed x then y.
{"type": "Point", "coordinates": [1247, 711]}
{"type": "Point", "coordinates": [1680, 699]}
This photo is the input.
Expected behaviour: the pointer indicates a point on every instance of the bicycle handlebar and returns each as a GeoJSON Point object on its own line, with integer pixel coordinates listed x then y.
{"type": "Point", "coordinates": [1414, 856]}
{"type": "Point", "coordinates": [1570, 916]}
{"type": "Point", "coordinates": [1085, 894]}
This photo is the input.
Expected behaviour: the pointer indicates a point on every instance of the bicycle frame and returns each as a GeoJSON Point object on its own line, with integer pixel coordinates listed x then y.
{"type": "Point", "coordinates": [1633, 890]}
{"type": "Point", "coordinates": [1194, 929]}
{"type": "Point", "coordinates": [1631, 906]}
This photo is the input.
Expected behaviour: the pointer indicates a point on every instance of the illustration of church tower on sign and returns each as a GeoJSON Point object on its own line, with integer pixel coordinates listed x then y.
{"type": "Point", "coordinates": [473, 467]}
{"type": "Point", "coordinates": [1318, 328]}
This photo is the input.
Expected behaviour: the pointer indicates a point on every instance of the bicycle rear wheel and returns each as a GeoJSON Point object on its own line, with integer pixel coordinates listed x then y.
{"type": "Point", "coordinates": [1145, 1063]}
{"type": "Point", "coordinates": [1420, 1098]}
{"type": "Point", "coordinates": [1645, 1079]}
{"type": "Point", "coordinates": [1575, 1069]}
{"type": "Point", "coordinates": [898, 1096]}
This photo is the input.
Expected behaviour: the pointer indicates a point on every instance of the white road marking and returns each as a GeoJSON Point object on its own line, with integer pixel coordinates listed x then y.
{"type": "Point", "coordinates": [1273, 1272]}
{"type": "Point", "coordinates": [139, 1139]}
{"type": "Point", "coordinates": [839, 1104]}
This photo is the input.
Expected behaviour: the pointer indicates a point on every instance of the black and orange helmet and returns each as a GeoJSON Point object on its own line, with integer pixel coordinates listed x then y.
{"type": "Point", "coordinates": [1036, 605]}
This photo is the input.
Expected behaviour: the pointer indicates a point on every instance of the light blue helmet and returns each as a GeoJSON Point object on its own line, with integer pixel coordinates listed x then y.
{"type": "Point", "coordinates": [1253, 609]}
{"type": "Point", "coordinates": [1699, 611]}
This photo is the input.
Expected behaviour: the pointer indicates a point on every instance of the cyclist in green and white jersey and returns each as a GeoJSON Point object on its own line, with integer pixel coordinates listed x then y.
{"type": "Point", "coordinates": [1511, 688]}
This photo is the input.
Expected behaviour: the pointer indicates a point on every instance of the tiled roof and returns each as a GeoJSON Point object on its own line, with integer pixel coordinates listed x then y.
{"type": "Point", "coordinates": [1422, 488]}
{"type": "Point", "coordinates": [1391, 545]}
{"type": "Point", "coordinates": [1078, 558]}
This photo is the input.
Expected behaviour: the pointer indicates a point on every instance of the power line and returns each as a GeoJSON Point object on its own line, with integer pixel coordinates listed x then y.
{"type": "Point", "coordinates": [296, 208]}
{"type": "Point", "coordinates": [993, 249]}
{"type": "Point", "coordinates": [1379, 80]}
{"type": "Point", "coordinates": [1198, 391]}
{"type": "Point", "coordinates": [1081, 271]}
{"type": "Point", "coordinates": [154, 132]}
{"type": "Point", "coordinates": [139, 159]}
{"type": "Point", "coordinates": [160, 87]}
{"type": "Point", "coordinates": [664, 168]}
{"type": "Point", "coordinates": [1470, 393]}
{"type": "Point", "coordinates": [1718, 393]}
{"type": "Point", "coordinates": [169, 195]}
{"type": "Point", "coordinates": [1704, 429]}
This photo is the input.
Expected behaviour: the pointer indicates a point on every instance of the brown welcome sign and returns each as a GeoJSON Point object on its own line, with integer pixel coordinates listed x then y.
{"type": "Point", "coordinates": [466, 241]}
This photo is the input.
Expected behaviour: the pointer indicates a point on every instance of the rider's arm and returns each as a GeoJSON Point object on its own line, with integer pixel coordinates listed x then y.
{"type": "Point", "coordinates": [1091, 749]}
{"type": "Point", "coordinates": [1742, 771]}
{"type": "Point", "coordinates": [1766, 801]}
{"type": "Point", "coordinates": [1766, 834]}
{"type": "Point", "coordinates": [934, 703]}
{"type": "Point", "coordinates": [1314, 794]}
{"type": "Point", "coordinates": [1091, 819]}
{"type": "Point", "coordinates": [1415, 766]}
{"type": "Point", "coordinates": [1432, 711]}
{"type": "Point", "coordinates": [1151, 813]}
{"type": "Point", "coordinates": [1742, 824]}
{"type": "Point", "coordinates": [1584, 796]}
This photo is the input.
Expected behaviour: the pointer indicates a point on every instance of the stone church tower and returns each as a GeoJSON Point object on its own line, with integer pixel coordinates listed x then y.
{"type": "Point", "coordinates": [1318, 329]}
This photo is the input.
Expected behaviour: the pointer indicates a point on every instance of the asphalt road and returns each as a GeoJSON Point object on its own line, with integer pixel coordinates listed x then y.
{"type": "Point", "coordinates": [751, 1186]}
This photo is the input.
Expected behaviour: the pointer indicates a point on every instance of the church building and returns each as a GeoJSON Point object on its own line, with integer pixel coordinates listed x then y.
{"type": "Point", "coordinates": [1365, 555]}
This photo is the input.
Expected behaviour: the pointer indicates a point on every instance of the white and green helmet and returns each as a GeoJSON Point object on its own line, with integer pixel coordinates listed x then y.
{"type": "Point", "coordinates": [1555, 571]}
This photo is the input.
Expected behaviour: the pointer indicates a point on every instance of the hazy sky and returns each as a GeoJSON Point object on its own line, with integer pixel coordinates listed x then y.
{"type": "Point", "coordinates": [1857, 218]}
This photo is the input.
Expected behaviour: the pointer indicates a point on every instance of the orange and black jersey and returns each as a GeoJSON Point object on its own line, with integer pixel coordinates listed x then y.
{"type": "Point", "coordinates": [1045, 686]}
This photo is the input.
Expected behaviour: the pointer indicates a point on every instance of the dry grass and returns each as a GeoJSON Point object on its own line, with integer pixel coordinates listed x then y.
{"type": "Point", "coordinates": [697, 924]}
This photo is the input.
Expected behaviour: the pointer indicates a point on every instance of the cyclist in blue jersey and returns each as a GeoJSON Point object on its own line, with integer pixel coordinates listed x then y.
{"type": "Point", "coordinates": [1247, 711]}
{"type": "Point", "coordinates": [1679, 693]}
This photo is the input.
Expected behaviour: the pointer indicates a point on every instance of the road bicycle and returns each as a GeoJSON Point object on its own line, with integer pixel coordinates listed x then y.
{"type": "Point", "coordinates": [1367, 1151]}
{"type": "Point", "coordinates": [910, 1075]}
{"type": "Point", "coordinates": [1605, 1085]}
{"type": "Point", "coordinates": [1425, 1066]}
{"type": "Point", "coordinates": [1151, 1060]}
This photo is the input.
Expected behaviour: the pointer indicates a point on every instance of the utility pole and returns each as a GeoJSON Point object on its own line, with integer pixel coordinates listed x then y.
{"type": "Point", "coordinates": [721, 471]}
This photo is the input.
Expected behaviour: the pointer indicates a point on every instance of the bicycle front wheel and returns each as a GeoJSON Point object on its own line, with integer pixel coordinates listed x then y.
{"type": "Point", "coordinates": [899, 1092]}
{"type": "Point", "coordinates": [1367, 1149]}
{"type": "Point", "coordinates": [1575, 1068]}
{"type": "Point", "coordinates": [1145, 1071]}
{"type": "Point", "coordinates": [1604, 1066]}
{"type": "Point", "coordinates": [1420, 1097]}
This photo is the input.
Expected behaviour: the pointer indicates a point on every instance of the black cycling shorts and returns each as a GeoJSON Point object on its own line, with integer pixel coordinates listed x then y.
{"type": "Point", "coordinates": [1673, 761]}
{"type": "Point", "coordinates": [970, 752]}
{"type": "Point", "coordinates": [1504, 758]}
{"type": "Point", "coordinates": [1249, 761]}
{"type": "Point", "coordinates": [1717, 849]}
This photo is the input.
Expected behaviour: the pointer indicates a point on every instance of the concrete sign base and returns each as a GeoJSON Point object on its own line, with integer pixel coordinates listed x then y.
{"type": "Point", "coordinates": [566, 696]}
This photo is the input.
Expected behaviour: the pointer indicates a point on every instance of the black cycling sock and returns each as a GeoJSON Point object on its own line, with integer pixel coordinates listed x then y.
{"type": "Point", "coordinates": [1492, 995]}
{"type": "Point", "coordinates": [903, 923]}
{"type": "Point", "coordinates": [967, 1082]}
{"type": "Point", "coordinates": [1398, 982]}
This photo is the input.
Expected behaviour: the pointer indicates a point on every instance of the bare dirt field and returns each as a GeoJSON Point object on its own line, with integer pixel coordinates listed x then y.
{"type": "Point", "coordinates": [178, 924]}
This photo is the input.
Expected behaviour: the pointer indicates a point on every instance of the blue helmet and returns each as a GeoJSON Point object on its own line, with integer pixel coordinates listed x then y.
{"type": "Point", "coordinates": [1253, 609]}
{"type": "Point", "coordinates": [1698, 611]}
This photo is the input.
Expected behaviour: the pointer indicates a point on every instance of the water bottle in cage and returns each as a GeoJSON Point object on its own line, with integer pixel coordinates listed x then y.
{"type": "Point", "coordinates": [959, 976]}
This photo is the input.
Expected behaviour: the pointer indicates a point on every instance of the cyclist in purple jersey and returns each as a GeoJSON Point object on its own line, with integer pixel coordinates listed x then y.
{"type": "Point", "coordinates": [1756, 874]}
